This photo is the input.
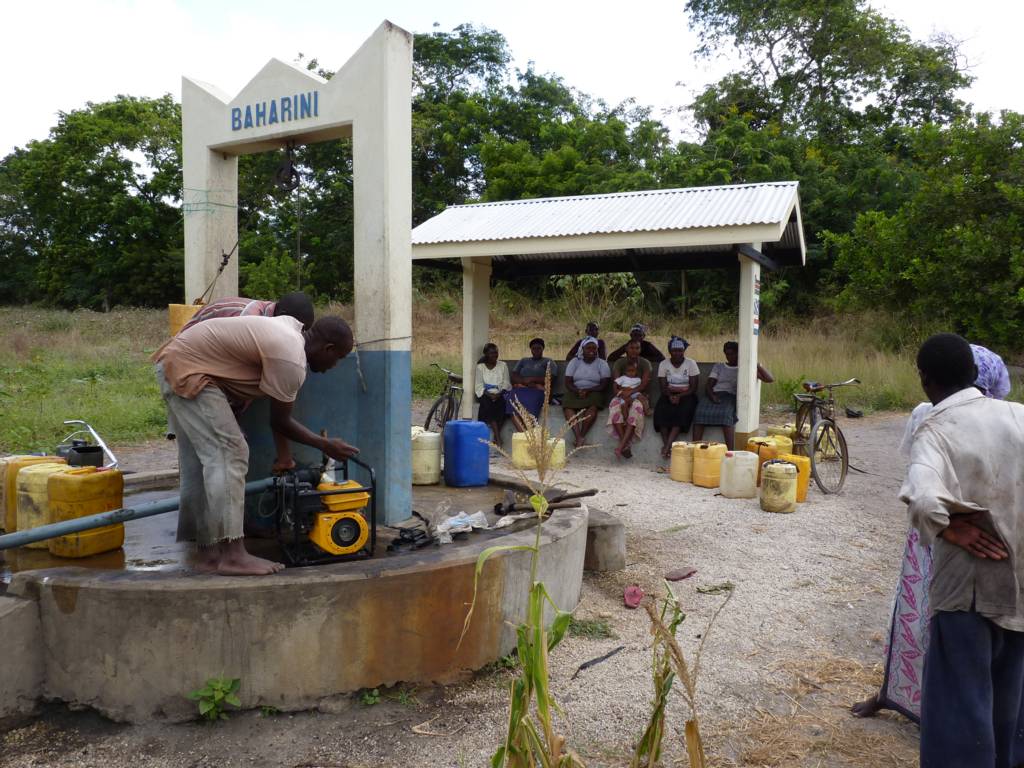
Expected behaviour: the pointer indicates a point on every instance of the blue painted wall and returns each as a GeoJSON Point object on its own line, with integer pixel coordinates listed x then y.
{"type": "Point", "coordinates": [376, 421]}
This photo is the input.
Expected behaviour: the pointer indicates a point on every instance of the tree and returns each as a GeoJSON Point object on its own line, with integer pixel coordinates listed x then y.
{"type": "Point", "coordinates": [456, 78]}
{"type": "Point", "coordinates": [826, 67]}
{"type": "Point", "coordinates": [955, 250]}
{"type": "Point", "coordinates": [93, 209]}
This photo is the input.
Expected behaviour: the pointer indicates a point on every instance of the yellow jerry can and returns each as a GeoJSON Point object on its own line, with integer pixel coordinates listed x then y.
{"type": "Point", "coordinates": [9, 468]}
{"type": "Point", "coordinates": [85, 491]}
{"type": "Point", "coordinates": [33, 503]}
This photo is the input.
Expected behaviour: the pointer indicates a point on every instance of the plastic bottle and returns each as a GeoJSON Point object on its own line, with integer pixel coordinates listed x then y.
{"type": "Point", "coordinates": [778, 486]}
{"type": "Point", "coordinates": [32, 500]}
{"type": "Point", "coordinates": [85, 491]}
{"type": "Point", "coordinates": [521, 457]}
{"type": "Point", "coordinates": [803, 477]}
{"type": "Point", "coordinates": [426, 457]}
{"type": "Point", "coordinates": [466, 453]}
{"type": "Point", "coordinates": [9, 468]}
{"type": "Point", "coordinates": [765, 448]}
{"type": "Point", "coordinates": [707, 464]}
{"type": "Point", "coordinates": [739, 475]}
{"type": "Point", "coordinates": [681, 469]}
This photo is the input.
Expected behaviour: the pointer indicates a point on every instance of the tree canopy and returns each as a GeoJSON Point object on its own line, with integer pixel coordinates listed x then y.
{"type": "Point", "coordinates": [910, 201]}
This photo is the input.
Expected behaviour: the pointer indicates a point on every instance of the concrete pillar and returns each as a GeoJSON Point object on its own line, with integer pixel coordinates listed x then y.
{"type": "Point", "coordinates": [382, 157]}
{"type": "Point", "coordinates": [476, 304]}
{"type": "Point", "coordinates": [210, 199]}
{"type": "Point", "coordinates": [748, 389]}
{"type": "Point", "coordinates": [369, 401]}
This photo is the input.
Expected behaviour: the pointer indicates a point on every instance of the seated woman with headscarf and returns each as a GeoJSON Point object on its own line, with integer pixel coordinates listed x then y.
{"type": "Point", "coordinates": [492, 382]}
{"type": "Point", "coordinates": [678, 378]}
{"type": "Point", "coordinates": [586, 380]}
{"type": "Point", "coordinates": [592, 332]}
{"type": "Point", "coordinates": [648, 351]}
{"type": "Point", "coordinates": [626, 410]}
{"type": "Point", "coordinates": [528, 383]}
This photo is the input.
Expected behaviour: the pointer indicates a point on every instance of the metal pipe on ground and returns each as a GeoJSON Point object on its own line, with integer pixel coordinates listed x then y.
{"type": "Point", "coordinates": [53, 530]}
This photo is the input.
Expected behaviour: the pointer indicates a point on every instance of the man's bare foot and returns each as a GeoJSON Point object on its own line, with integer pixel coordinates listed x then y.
{"type": "Point", "coordinates": [236, 561]}
{"type": "Point", "coordinates": [207, 559]}
{"type": "Point", "coordinates": [867, 708]}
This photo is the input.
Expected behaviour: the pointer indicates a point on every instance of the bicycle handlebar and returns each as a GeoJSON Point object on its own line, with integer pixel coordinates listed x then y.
{"type": "Point", "coordinates": [451, 374]}
{"type": "Point", "coordinates": [813, 386]}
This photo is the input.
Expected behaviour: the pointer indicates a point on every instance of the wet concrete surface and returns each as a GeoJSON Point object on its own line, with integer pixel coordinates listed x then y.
{"type": "Point", "coordinates": [150, 546]}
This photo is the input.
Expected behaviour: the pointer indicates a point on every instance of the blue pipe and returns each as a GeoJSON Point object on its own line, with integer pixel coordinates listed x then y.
{"type": "Point", "coordinates": [53, 530]}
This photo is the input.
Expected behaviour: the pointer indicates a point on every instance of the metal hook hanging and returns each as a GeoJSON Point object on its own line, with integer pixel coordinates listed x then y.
{"type": "Point", "coordinates": [287, 177]}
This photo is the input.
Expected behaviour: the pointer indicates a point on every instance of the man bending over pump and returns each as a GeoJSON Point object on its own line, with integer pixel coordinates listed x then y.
{"type": "Point", "coordinates": [205, 370]}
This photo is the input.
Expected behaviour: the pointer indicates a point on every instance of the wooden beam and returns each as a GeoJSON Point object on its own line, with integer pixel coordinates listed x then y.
{"type": "Point", "coordinates": [756, 256]}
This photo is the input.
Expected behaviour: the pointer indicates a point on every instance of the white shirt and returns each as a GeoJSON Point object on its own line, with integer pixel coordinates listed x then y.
{"type": "Point", "coordinates": [916, 417]}
{"type": "Point", "coordinates": [586, 375]}
{"type": "Point", "coordinates": [678, 377]}
{"type": "Point", "coordinates": [492, 378]}
{"type": "Point", "coordinates": [725, 376]}
{"type": "Point", "coordinates": [967, 457]}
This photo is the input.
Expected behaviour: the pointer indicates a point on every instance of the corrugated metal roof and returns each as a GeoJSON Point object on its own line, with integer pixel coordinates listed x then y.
{"type": "Point", "coordinates": [645, 211]}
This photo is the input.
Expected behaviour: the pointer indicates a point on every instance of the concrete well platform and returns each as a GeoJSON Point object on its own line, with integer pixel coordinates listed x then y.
{"type": "Point", "coordinates": [132, 638]}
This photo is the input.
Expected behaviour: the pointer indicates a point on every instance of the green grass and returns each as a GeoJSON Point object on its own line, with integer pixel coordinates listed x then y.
{"type": "Point", "coordinates": [77, 365]}
{"type": "Point", "coordinates": [508, 663]}
{"type": "Point", "coordinates": [592, 629]}
{"type": "Point", "coordinates": [428, 381]}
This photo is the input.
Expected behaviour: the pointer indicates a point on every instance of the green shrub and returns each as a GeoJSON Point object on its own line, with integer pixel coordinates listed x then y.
{"type": "Point", "coordinates": [215, 695]}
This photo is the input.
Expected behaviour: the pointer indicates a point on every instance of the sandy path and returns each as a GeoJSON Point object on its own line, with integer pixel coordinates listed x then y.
{"type": "Point", "coordinates": [801, 637]}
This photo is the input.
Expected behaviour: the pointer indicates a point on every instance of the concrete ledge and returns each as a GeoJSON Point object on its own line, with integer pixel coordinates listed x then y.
{"type": "Point", "coordinates": [155, 480]}
{"type": "Point", "coordinates": [133, 645]}
{"type": "Point", "coordinates": [21, 660]}
{"type": "Point", "coordinates": [606, 542]}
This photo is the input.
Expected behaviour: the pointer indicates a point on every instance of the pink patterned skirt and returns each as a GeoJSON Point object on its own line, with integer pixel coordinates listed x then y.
{"type": "Point", "coordinates": [635, 416]}
{"type": "Point", "coordinates": [908, 635]}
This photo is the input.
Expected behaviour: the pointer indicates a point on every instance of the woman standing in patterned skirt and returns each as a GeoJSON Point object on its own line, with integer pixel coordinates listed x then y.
{"type": "Point", "coordinates": [908, 634]}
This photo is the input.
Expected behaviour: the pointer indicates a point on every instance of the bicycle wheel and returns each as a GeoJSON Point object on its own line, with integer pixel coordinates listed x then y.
{"type": "Point", "coordinates": [829, 459]}
{"type": "Point", "coordinates": [438, 414]}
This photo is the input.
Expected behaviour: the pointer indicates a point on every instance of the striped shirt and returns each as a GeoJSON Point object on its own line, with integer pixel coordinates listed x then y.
{"type": "Point", "coordinates": [235, 306]}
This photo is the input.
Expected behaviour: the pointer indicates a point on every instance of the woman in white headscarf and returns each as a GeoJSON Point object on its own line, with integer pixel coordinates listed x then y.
{"type": "Point", "coordinates": [586, 382]}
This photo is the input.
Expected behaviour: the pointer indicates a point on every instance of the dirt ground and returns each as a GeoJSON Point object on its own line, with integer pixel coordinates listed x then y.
{"type": "Point", "coordinates": [800, 639]}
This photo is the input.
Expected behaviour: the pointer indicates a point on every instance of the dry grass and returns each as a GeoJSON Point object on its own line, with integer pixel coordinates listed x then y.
{"type": "Point", "coordinates": [811, 724]}
{"type": "Point", "coordinates": [56, 364]}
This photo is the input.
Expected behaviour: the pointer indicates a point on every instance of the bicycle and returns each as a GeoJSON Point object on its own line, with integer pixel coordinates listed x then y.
{"type": "Point", "coordinates": [819, 437]}
{"type": "Point", "coordinates": [447, 405]}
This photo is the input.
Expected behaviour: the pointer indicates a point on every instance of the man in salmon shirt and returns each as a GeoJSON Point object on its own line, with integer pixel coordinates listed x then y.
{"type": "Point", "coordinates": [206, 370]}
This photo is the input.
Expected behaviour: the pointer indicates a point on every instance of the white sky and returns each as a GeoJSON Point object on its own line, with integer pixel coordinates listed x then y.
{"type": "Point", "coordinates": [59, 54]}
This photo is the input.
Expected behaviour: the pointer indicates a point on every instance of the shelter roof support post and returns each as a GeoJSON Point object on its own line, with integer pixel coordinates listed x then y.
{"type": "Point", "coordinates": [748, 388]}
{"type": "Point", "coordinates": [476, 305]}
